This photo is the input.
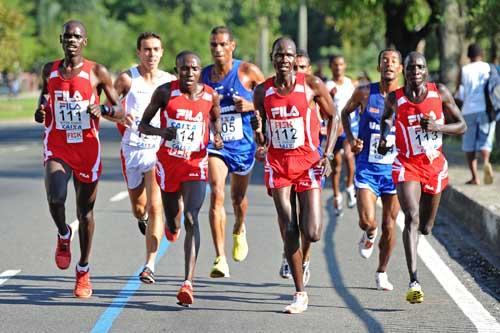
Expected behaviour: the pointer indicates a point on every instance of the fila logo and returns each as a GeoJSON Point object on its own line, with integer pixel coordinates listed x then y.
{"type": "Point", "coordinates": [65, 96]}
{"type": "Point", "coordinates": [283, 112]}
{"type": "Point", "coordinates": [84, 175]}
{"type": "Point", "coordinates": [188, 115]}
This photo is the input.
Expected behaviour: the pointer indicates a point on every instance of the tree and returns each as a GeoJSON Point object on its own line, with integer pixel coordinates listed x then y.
{"type": "Point", "coordinates": [11, 27]}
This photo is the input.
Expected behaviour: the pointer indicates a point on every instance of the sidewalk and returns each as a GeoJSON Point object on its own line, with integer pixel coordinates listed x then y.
{"type": "Point", "coordinates": [476, 207]}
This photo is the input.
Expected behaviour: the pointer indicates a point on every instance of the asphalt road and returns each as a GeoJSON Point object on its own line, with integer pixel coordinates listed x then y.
{"type": "Point", "coordinates": [37, 297]}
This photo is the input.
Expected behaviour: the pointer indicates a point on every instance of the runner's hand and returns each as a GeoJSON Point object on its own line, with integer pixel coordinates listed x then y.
{"type": "Point", "coordinates": [94, 110]}
{"type": "Point", "coordinates": [256, 121]}
{"type": "Point", "coordinates": [326, 167]}
{"type": "Point", "coordinates": [169, 133]}
{"type": "Point", "coordinates": [241, 104]}
{"type": "Point", "coordinates": [356, 145]}
{"type": "Point", "coordinates": [40, 114]}
{"type": "Point", "coordinates": [260, 153]}
{"type": "Point", "coordinates": [128, 121]}
{"type": "Point", "coordinates": [429, 124]}
{"type": "Point", "coordinates": [218, 143]}
{"type": "Point", "coordinates": [382, 148]}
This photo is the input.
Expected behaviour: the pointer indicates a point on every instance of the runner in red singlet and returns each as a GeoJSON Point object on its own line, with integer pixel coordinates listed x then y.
{"type": "Point", "coordinates": [69, 107]}
{"type": "Point", "coordinates": [420, 171]}
{"type": "Point", "coordinates": [287, 101]}
{"type": "Point", "coordinates": [189, 110]}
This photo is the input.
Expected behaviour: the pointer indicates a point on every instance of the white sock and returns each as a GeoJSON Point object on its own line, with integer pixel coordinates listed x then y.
{"type": "Point", "coordinates": [350, 189]}
{"type": "Point", "coordinates": [150, 266]}
{"type": "Point", "coordinates": [68, 235]}
{"type": "Point", "coordinates": [82, 268]}
{"type": "Point", "coordinates": [188, 283]}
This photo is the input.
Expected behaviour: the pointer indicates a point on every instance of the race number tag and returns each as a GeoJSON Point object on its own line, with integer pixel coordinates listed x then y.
{"type": "Point", "coordinates": [232, 127]}
{"type": "Point", "coordinates": [287, 133]}
{"type": "Point", "coordinates": [74, 136]}
{"type": "Point", "coordinates": [71, 115]}
{"type": "Point", "coordinates": [188, 139]}
{"type": "Point", "coordinates": [138, 139]}
{"type": "Point", "coordinates": [375, 157]}
{"type": "Point", "coordinates": [424, 142]}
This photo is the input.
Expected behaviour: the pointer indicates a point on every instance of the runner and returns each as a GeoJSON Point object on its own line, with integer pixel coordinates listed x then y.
{"type": "Point", "coordinates": [373, 177]}
{"type": "Point", "coordinates": [293, 159]}
{"type": "Point", "coordinates": [69, 107]}
{"type": "Point", "coordinates": [138, 152]}
{"type": "Point", "coordinates": [188, 108]}
{"type": "Point", "coordinates": [420, 170]}
{"type": "Point", "coordinates": [234, 80]}
{"type": "Point", "coordinates": [341, 89]}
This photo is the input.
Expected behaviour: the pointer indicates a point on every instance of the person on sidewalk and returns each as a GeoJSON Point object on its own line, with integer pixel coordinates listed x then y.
{"type": "Point", "coordinates": [373, 178]}
{"type": "Point", "coordinates": [292, 129]}
{"type": "Point", "coordinates": [420, 171]}
{"type": "Point", "coordinates": [480, 129]}
{"type": "Point", "coordinates": [138, 151]}
{"type": "Point", "coordinates": [234, 81]}
{"type": "Point", "coordinates": [188, 109]}
{"type": "Point", "coordinates": [69, 107]}
{"type": "Point", "coordinates": [341, 88]}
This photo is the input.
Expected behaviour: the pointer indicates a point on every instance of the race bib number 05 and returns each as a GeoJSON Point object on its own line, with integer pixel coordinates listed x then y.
{"type": "Point", "coordinates": [232, 127]}
{"type": "Point", "coordinates": [287, 133]}
{"type": "Point", "coordinates": [188, 139]}
{"type": "Point", "coordinates": [375, 157]}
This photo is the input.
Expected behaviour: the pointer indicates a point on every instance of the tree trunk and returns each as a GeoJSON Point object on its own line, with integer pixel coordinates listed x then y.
{"type": "Point", "coordinates": [451, 34]}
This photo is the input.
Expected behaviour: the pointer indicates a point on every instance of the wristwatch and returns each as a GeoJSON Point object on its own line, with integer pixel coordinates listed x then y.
{"type": "Point", "coordinates": [329, 156]}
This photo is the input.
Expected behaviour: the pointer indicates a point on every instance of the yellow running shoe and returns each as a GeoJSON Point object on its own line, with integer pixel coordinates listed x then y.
{"type": "Point", "coordinates": [415, 294]}
{"type": "Point", "coordinates": [240, 246]}
{"type": "Point", "coordinates": [220, 268]}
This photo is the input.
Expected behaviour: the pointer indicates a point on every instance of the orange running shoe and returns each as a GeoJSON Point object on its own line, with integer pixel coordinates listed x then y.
{"type": "Point", "coordinates": [185, 294]}
{"type": "Point", "coordinates": [83, 287]}
{"type": "Point", "coordinates": [172, 237]}
{"type": "Point", "coordinates": [63, 251]}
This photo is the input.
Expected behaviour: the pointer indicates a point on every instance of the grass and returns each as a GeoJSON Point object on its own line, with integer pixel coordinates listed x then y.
{"type": "Point", "coordinates": [17, 108]}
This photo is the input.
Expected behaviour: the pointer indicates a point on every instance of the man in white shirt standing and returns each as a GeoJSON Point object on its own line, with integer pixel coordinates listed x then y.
{"type": "Point", "coordinates": [480, 130]}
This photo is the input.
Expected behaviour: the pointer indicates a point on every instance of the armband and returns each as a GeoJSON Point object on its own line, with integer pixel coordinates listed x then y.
{"type": "Point", "coordinates": [106, 110]}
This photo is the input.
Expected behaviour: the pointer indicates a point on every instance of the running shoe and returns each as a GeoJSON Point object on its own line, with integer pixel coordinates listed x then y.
{"type": "Point", "coordinates": [185, 294]}
{"type": "Point", "coordinates": [220, 268]}
{"type": "Point", "coordinates": [351, 197]}
{"type": "Point", "coordinates": [63, 251]}
{"type": "Point", "coordinates": [142, 224]}
{"type": "Point", "coordinates": [338, 205]}
{"type": "Point", "coordinates": [299, 304]}
{"type": "Point", "coordinates": [83, 287]}
{"type": "Point", "coordinates": [488, 174]}
{"type": "Point", "coordinates": [415, 294]}
{"type": "Point", "coordinates": [172, 237]}
{"type": "Point", "coordinates": [285, 271]}
{"type": "Point", "coordinates": [147, 276]}
{"type": "Point", "coordinates": [240, 246]}
{"type": "Point", "coordinates": [307, 272]}
{"type": "Point", "coordinates": [365, 244]}
{"type": "Point", "coordinates": [382, 281]}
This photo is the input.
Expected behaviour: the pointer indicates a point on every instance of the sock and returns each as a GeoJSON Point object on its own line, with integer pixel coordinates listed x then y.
{"type": "Point", "coordinates": [187, 282]}
{"type": "Point", "coordinates": [350, 189]}
{"type": "Point", "coordinates": [68, 235]}
{"type": "Point", "coordinates": [413, 277]}
{"type": "Point", "coordinates": [84, 268]}
{"type": "Point", "coordinates": [145, 217]}
{"type": "Point", "coordinates": [150, 266]}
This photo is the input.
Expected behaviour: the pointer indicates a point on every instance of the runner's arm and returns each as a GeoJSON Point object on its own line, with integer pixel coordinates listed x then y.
{"type": "Point", "coordinates": [250, 76]}
{"type": "Point", "coordinates": [112, 110]}
{"type": "Point", "coordinates": [215, 122]}
{"type": "Point", "coordinates": [158, 101]}
{"type": "Point", "coordinates": [122, 86]}
{"type": "Point", "coordinates": [386, 123]}
{"type": "Point", "coordinates": [258, 101]}
{"type": "Point", "coordinates": [358, 99]}
{"type": "Point", "coordinates": [43, 100]}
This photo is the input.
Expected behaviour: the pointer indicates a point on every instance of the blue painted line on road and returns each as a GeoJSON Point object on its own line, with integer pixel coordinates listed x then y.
{"type": "Point", "coordinates": [115, 308]}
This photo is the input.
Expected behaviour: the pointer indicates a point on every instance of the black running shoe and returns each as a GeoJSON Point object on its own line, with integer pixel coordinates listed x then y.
{"type": "Point", "coordinates": [147, 276]}
{"type": "Point", "coordinates": [142, 225]}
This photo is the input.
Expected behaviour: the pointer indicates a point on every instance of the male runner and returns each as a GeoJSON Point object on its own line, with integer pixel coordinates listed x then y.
{"type": "Point", "coordinates": [420, 170]}
{"type": "Point", "coordinates": [234, 81]}
{"type": "Point", "coordinates": [373, 177]}
{"type": "Point", "coordinates": [287, 100]}
{"type": "Point", "coordinates": [341, 89]}
{"type": "Point", "coordinates": [138, 151]}
{"type": "Point", "coordinates": [188, 110]}
{"type": "Point", "coordinates": [69, 108]}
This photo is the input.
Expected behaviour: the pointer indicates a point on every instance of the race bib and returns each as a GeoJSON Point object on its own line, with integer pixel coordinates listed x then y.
{"type": "Point", "coordinates": [71, 115]}
{"type": "Point", "coordinates": [188, 139]}
{"type": "Point", "coordinates": [375, 157]}
{"type": "Point", "coordinates": [424, 142]}
{"type": "Point", "coordinates": [74, 136]}
{"type": "Point", "coordinates": [287, 133]}
{"type": "Point", "coordinates": [138, 139]}
{"type": "Point", "coordinates": [232, 127]}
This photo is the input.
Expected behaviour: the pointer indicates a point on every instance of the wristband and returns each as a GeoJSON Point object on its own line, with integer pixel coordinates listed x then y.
{"type": "Point", "coordinates": [106, 110]}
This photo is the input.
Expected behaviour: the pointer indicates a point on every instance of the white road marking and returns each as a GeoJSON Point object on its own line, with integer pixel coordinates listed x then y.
{"type": "Point", "coordinates": [7, 275]}
{"type": "Point", "coordinates": [469, 305]}
{"type": "Point", "coordinates": [119, 196]}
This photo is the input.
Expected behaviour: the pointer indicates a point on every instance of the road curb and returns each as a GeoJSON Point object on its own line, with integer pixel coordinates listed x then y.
{"type": "Point", "coordinates": [479, 220]}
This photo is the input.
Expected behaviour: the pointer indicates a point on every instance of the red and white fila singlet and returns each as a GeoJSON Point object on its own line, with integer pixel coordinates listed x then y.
{"type": "Point", "coordinates": [70, 133]}
{"type": "Point", "coordinates": [292, 124]}
{"type": "Point", "coordinates": [411, 141]}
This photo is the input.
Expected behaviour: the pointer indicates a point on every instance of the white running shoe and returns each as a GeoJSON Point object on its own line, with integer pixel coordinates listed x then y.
{"type": "Point", "coordinates": [351, 197]}
{"type": "Point", "coordinates": [285, 271]}
{"type": "Point", "coordinates": [307, 272]}
{"type": "Point", "coordinates": [299, 304]}
{"type": "Point", "coordinates": [382, 281]}
{"type": "Point", "coordinates": [338, 205]}
{"type": "Point", "coordinates": [365, 244]}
